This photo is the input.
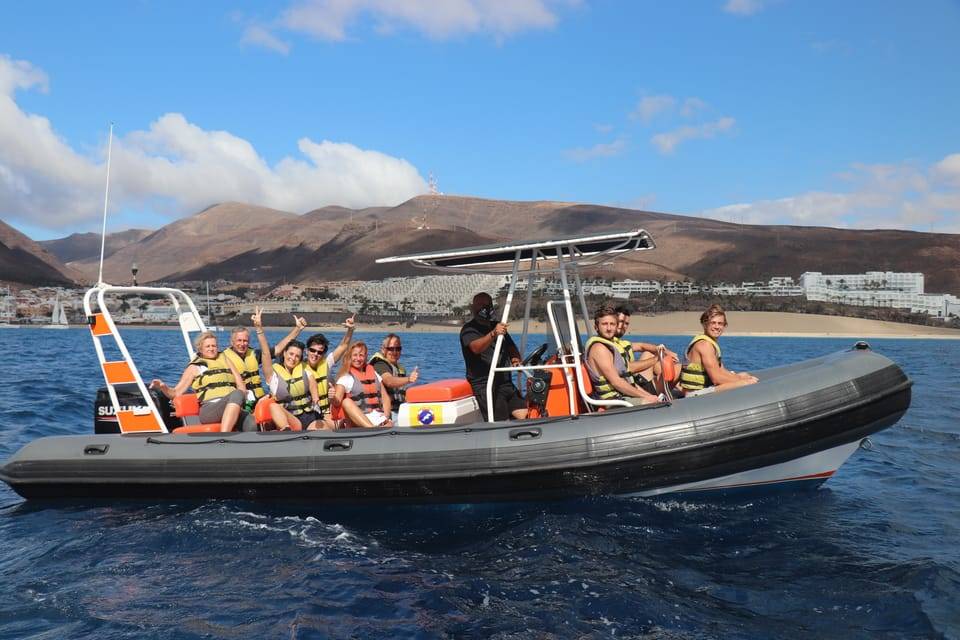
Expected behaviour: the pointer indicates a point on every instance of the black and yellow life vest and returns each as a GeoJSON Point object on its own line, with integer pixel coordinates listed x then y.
{"type": "Point", "coordinates": [693, 376]}
{"type": "Point", "coordinates": [626, 350]}
{"type": "Point", "coordinates": [249, 369]}
{"type": "Point", "coordinates": [323, 385]}
{"type": "Point", "coordinates": [398, 395]}
{"type": "Point", "coordinates": [601, 386]}
{"type": "Point", "coordinates": [215, 380]}
{"type": "Point", "coordinates": [299, 392]}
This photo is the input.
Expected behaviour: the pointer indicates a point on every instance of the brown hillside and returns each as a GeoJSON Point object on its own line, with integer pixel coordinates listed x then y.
{"type": "Point", "coordinates": [24, 261]}
{"type": "Point", "coordinates": [78, 246]}
{"type": "Point", "coordinates": [218, 232]}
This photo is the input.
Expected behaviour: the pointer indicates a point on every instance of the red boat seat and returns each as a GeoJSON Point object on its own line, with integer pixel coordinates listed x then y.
{"type": "Point", "coordinates": [187, 408]}
{"type": "Point", "coordinates": [440, 391]}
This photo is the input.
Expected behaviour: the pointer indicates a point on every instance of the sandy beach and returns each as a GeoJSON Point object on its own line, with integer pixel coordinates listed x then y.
{"type": "Point", "coordinates": [742, 323]}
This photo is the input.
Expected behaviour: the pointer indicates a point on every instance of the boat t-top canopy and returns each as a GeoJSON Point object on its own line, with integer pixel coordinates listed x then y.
{"type": "Point", "coordinates": [586, 251]}
{"type": "Point", "coordinates": [565, 257]}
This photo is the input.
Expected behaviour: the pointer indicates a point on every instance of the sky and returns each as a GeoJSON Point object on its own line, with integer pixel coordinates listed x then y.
{"type": "Point", "coordinates": [804, 112]}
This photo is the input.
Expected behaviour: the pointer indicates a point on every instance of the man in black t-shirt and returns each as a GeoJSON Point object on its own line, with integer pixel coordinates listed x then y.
{"type": "Point", "coordinates": [478, 337]}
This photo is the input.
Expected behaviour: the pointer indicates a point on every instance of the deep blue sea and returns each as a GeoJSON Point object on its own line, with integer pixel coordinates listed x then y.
{"type": "Point", "coordinates": [874, 553]}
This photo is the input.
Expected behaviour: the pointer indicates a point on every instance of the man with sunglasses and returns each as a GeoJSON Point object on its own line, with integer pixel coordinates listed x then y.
{"type": "Point", "coordinates": [320, 361]}
{"type": "Point", "coordinates": [393, 375]}
{"type": "Point", "coordinates": [478, 338]}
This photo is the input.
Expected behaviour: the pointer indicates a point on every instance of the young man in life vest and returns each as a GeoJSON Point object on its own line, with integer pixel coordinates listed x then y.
{"type": "Point", "coordinates": [645, 370]}
{"type": "Point", "coordinates": [321, 362]}
{"type": "Point", "coordinates": [478, 338]}
{"type": "Point", "coordinates": [360, 391]}
{"type": "Point", "coordinates": [386, 362]}
{"type": "Point", "coordinates": [704, 368]}
{"type": "Point", "coordinates": [606, 364]}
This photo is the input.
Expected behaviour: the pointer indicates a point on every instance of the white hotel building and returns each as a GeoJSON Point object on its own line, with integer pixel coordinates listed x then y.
{"type": "Point", "coordinates": [879, 289]}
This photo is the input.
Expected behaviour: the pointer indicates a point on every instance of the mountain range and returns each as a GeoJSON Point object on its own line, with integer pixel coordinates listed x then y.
{"type": "Point", "coordinates": [247, 243]}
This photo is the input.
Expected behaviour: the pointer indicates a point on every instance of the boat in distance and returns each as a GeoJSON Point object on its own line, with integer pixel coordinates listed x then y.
{"type": "Point", "coordinates": [793, 428]}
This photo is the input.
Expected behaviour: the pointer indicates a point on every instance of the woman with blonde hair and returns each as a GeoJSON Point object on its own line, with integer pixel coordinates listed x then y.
{"type": "Point", "coordinates": [217, 383]}
{"type": "Point", "coordinates": [360, 391]}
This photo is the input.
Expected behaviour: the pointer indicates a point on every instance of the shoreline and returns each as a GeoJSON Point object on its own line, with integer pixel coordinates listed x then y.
{"type": "Point", "coordinates": [756, 324]}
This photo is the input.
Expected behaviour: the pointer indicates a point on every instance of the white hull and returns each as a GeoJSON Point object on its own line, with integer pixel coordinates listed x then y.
{"type": "Point", "coordinates": [816, 467]}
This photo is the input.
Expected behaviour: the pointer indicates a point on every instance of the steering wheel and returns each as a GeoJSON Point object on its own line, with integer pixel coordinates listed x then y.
{"type": "Point", "coordinates": [533, 359]}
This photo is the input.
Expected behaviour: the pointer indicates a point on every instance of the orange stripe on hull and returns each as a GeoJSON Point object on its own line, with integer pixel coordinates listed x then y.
{"type": "Point", "coordinates": [132, 423]}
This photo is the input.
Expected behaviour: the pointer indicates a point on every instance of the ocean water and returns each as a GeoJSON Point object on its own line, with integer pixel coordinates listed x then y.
{"type": "Point", "coordinates": [874, 553]}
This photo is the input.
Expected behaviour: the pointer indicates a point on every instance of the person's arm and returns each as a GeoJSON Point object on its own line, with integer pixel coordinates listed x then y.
{"type": "Point", "coordinates": [347, 336]}
{"type": "Point", "coordinates": [654, 349]}
{"type": "Point", "coordinates": [312, 385]}
{"type": "Point", "coordinates": [386, 404]}
{"type": "Point", "coordinates": [602, 360]}
{"type": "Point", "coordinates": [299, 324]}
{"type": "Point", "coordinates": [186, 378]}
{"type": "Point", "coordinates": [481, 344]}
{"type": "Point", "coordinates": [392, 381]}
{"type": "Point", "coordinates": [266, 362]}
{"type": "Point", "coordinates": [716, 372]}
{"type": "Point", "coordinates": [341, 391]}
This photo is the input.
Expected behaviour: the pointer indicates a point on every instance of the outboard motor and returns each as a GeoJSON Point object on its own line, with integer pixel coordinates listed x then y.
{"type": "Point", "coordinates": [105, 417]}
{"type": "Point", "coordinates": [538, 386]}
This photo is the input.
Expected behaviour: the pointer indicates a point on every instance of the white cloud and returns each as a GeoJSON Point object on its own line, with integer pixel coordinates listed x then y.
{"type": "Point", "coordinates": [177, 168]}
{"type": "Point", "coordinates": [331, 19]}
{"type": "Point", "coordinates": [650, 107]}
{"type": "Point", "coordinates": [260, 36]}
{"type": "Point", "coordinates": [744, 7]}
{"type": "Point", "coordinates": [948, 170]}
{"type": "Point", "coordinates": [881, 196]}
{"type": "Point", "coordinates": [603, 129]}
{"type": "Point", "coordinates": [601, 150]}
{"type": "Point", "coordinates": [692, 106]}
{"type": "Point", "coordinates": [668, 141]}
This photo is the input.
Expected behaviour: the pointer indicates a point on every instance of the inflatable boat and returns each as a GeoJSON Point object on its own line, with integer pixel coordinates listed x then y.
{"type": "Point", "coordinates": [794, 428]}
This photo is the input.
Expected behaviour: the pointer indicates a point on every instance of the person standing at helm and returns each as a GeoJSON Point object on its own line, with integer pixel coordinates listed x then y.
{"type": "Point", "coordinates": [360, 391]}
{"type": "Point", "coordinates": [704, 366]}
{"type": "Point", "coordinates": [386, 362]}
{"type": "Point", "coordinates": [321, 362]}
{"type": "Point", "coordinates": [478, 338]}
{"type": "Point", "coordinates": [217, 383]}
{"type": "Point", "coordinates": [645, 370]}
{"type": "Point", "coordinates": [606, 364]}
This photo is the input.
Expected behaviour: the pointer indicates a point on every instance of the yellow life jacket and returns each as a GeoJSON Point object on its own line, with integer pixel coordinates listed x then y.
{"type": "Point", "coordinates": [323, 385]}
{"type": "Point", "coordinates": [299, 392]}
{"type": "Point", "coordinates": [397, 395]}
{"type": "Point", "coordinates": [601, 386]}
{"type": "Point", "coordinates": [693, 376]}
{"type": "Point", "coordinates": [249, 369]}
{"type": "Point", "coordinates": [626, 350]}
{"type": "Point", "coordinates": [215, 381]}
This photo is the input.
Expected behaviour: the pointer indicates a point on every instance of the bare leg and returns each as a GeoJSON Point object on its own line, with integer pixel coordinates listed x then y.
{"type": "Point", "coordinates": [519, 414]}
{"type": "Point", "coordinates": [323, 424]}
{"type": "Point", "coordinates": [354, 414]}
{"type": "Point", "coordinates": [279, 417]}
{"type": "Point", "coordinates": [230, 414]}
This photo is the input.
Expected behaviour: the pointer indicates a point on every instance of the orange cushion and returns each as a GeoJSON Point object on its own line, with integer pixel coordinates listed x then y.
{"type": "Point", "coordinates": [261, 412]}
{"type": "Point", "coordinates": [212, 427]}
{"type": "Point", "coordinates": [440, 391]}
{"type": "Point", "coordinates": [186, 405]}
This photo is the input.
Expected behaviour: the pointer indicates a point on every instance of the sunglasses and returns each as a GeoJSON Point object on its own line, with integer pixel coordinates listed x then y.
{"type": "Point", "coordinates": [316, 351]}
{"type": "Point", "coordinates": [397, 349]}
